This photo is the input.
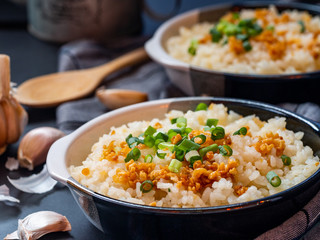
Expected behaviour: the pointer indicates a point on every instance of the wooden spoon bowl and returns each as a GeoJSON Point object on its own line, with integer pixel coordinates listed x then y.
{"type": "Point", "coordinates": [53, 89]}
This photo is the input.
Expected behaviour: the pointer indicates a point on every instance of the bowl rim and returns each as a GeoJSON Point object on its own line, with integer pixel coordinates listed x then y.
{"type": "Point", "coordinates": [56, 170]}
{"type": "Point", "coordinates": [157, 52]}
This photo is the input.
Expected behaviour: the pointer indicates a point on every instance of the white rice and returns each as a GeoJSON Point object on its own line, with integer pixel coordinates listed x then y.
{"type": "Point", "coordinates": [302, 49]}
{"type": "Point", "coordinates": [250, 172]}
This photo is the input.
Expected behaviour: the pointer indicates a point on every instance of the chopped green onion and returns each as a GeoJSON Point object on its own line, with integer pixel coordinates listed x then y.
{"type": "Point", "coordinates": [158, 141]}
{"type": "Point", "coordinates": [273, 179]}
{"type": "Point", "coordinates": [146, 186]}
{"type": "Point", "coordinates": [217, 133]}
{"type": "Point", "coordinates": [212, 122]}
{"type": "Point", "coordinates": [133, 141]}
{"type": "Point", "coordinates": [247, 23]}
{"type": "Point", "coordinates": [149, 141]}
{"type": "Point", "coordinates": [213, 148]}
{"type": "Point", "coordinates": [191, 154]}
{"type": "Point", "coordinates": [242, 37]}
{"type": "Point", "coordinates": [133, 154]}
{"type": "Point", "coordinates": [230, 29]}
{"type": "Point", "coordinates": [173, 120]}
{"type": "Point", "coordinates": [225, 150]}
{"type": "Point", "coordinates": [192, 50]}
{"type": "Point", "coordinates": [188, 130]}
{"type": "Point", "coordinates": [148, 158]}
{"type": "Point", "coordinates": [161, 155]}
{"type": "Point", "coordinates": [202, 137]}
{"type": "Point", "coordinates": [173, 132]}
{"type": "Point", "coordinates": [270, 28]}
{"type": "Point", "coordinates": [179, 153]}
{"type": "Point", "coordinates": [150, 131]}
{"type": "Point", "coordinates": [246, 45]}
{"type": "Point", "coordinates": [286, 160]}
{"type": "Point", "coordinates": [161, 135]}
{"type": "Point", "coordinates": [188, 145]}
{"type": "Point", "coordinates": [302, 26]}
{"type": "Point", "coordinates": [201, 106]}
{"type": "Point", "coordinates": [241, 131]}
{"type": "Point", "coordinates": [215, 35]}
{"type": "Point", "coordinates": [235, 15]}
{"type": "Point", "coordinates": [194, 159]}
{"type": "Point", "coordinates": [175, 165]}
{"type": "Point", "coordinates": [207, 128]}
{"type": "Point", "coordinates": [181, 122]}
{"type": "Point", "coordinates": [165, 145]}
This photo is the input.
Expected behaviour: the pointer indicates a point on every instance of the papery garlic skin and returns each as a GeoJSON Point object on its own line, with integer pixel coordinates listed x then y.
{"type": "Point", "coordinates": [13, 117]}
{"type": "Point", "coordinates": [40, 223]}
{"type": "Point", "coordinates": [34, 146]}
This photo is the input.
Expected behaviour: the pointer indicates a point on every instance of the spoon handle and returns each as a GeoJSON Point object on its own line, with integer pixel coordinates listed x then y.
{"type": "Point", "coordinates": [131, 58]}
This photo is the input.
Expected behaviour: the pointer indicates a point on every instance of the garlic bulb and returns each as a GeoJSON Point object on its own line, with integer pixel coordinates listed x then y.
{"type": "Point", "coordinates": [38, 224]}
{"type": "Point", "coordinates": [13, 117]}
{"type": "Point", "coordinates": [34, 146]}
{"type": "Point", "coordinates": [116, 98]}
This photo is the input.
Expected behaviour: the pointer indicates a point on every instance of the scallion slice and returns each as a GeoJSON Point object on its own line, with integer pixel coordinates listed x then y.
{"type": "Point", "coordinates": [302, 26]}
{"type": "Point", "coordinates": [181, 122]}
{"type": "Point", "coordinates": [202, 137]}
{"type": "Point", "coordinates": [161, 135]}
{"type": "Point", "coordinates": [201, 106]}
{"type": "Point", "coordinates": [173, 120]}
{"type": "Point", "coordinates": [241, 131]}
{"type": "Point", "coordinates": [246, 45]}
{"type": "Point", "coordinates": [175, 166]}
{"type": "Point", "coordinates": [217, 133]}
{"type": "Point", "coordinates": [164, 145]}
{"type": "Point", "coordinates": [273, 179]}
{"type": "Point", "coordinates": [188, 145]}
{"type": "Point", "coordinates": [150, 131]}
{"type": "Point", "coordinates": [133, 141]}
{"type": "Point", "coordinates": [161, 155]}
{"type": "Point", "coordinates": [286, 160]}
{"type": "Point", "coordinates": [193, 160]}
{"type": "Point", "coordinates": [179, 153]}
{"type": "Point", "coordinates": [212, 122]}
{"type": "Point", "coordinates": [213, 148]}
{"type": "Point", "coordinates": [148, 158]}
{"type": "Point", "coordinates": [191, 154]}
{"type": "Point", "coordinates": [215, 35]}
{"type": "Point", "coordinates": [225, 150]}
{"type": "Point", "coordinates": [149, 141]}
{"type": "Point", "coordinates": [192, 50]}
{"type": "Point", "coordinates": [133, 154]}
{"type": "Point", "coordinates": [146, 186]}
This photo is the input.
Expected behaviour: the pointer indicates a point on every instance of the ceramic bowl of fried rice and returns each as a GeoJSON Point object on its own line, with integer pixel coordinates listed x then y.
{"type": "Point", "coordinates": [190, 167]}
{"type": "Point", "coordinates": [248, 50]}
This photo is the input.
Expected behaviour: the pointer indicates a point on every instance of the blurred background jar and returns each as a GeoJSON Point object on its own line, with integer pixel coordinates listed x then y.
{"type": "Point", "coordinates": [67, 20]}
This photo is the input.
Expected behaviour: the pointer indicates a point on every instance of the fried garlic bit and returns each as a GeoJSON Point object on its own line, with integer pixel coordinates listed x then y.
{"type": "Point", "coordinates": [38, 224]}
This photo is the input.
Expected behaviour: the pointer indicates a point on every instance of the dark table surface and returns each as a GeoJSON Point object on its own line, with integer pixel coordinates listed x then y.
{"type": "Point", "coordinates": [32, 57]}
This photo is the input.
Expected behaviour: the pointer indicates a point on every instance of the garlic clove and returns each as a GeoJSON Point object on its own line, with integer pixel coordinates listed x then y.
{"type": "Point", "coordinates": [12, 236]}
{"type": "Point", "coordinates": [13, 129]}
{"type": "Point", "coordinates": [3, 131]}
{"type": "Point", "coordinates": [34, 146]}
{"type": "Point", "coordinates": [13, 117]}
{"type": "Point", "coordinates": [40, 223]}
{"type": "Point", "coordinates": [116, 98]}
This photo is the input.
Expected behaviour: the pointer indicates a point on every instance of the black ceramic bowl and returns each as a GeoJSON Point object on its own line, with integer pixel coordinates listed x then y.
{"type": "Point", "coordinates": [123, 220]}
{"type": "Point", "coordinates": [196, 81]}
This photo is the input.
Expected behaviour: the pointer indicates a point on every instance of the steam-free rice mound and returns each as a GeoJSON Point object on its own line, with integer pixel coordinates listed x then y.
{"type": "Point", "coordinates": [261, 41]}
{"type": "Point", "coordinates": [200, 158]}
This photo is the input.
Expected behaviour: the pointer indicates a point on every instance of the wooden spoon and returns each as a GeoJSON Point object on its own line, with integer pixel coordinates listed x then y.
{"type": "Point", "coordinates": [117, 98]}
{"type": "Point", "coordinates": [53, 89]}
